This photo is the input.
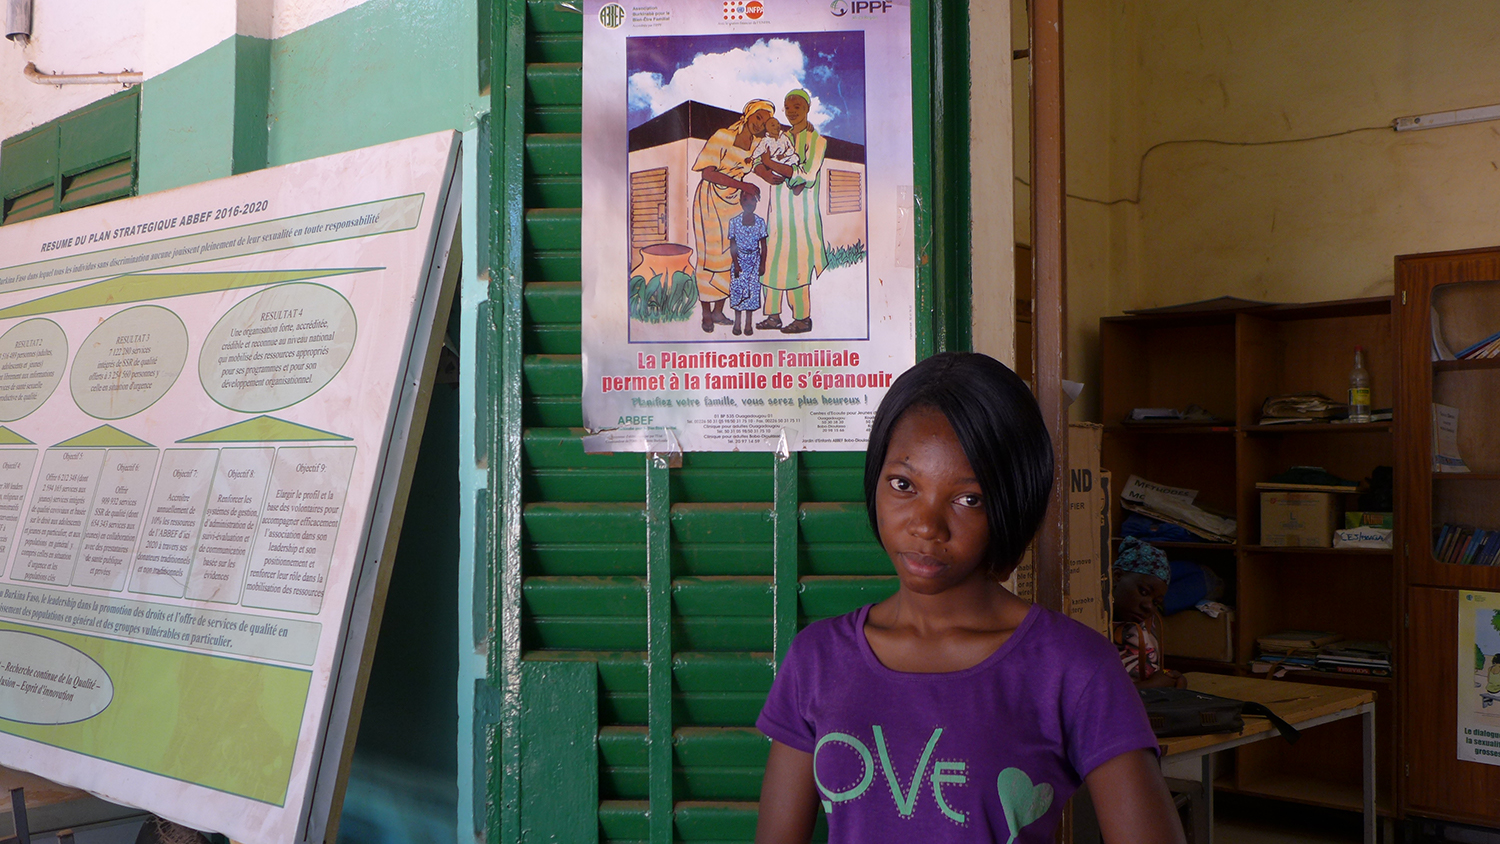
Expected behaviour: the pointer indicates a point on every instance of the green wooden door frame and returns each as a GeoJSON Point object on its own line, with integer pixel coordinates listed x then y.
{"type": "Point", "coordinates": [796, 501]}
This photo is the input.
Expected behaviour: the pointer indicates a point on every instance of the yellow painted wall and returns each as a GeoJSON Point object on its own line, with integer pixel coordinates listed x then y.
{"type": "Point", "coordinates": [1247, 150]}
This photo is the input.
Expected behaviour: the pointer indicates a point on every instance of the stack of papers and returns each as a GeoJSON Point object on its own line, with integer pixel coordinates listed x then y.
{"type": "Point", "coordinates": [1175, 505]}
{"type": "Point", "coordinates": [1365, 658]}
{"type": "Point", "coordinates": [1301, 407]}
{"type": "Point", "coordinates": [1306, 642]}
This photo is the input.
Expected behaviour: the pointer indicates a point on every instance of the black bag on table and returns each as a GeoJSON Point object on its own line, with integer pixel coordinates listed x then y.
{"type": "Point", "coordinates": [1183, 712]}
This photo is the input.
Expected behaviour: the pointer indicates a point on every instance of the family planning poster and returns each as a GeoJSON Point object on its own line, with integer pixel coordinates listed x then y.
{"type": "Point", "coordinates": [748, 255]}
{"type": "Point", "coordinates": [1479, 677]}
{"type": "Point", "coordinates": [205, 399]}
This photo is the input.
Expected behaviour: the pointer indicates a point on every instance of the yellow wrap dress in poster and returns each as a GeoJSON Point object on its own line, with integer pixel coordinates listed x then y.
{"type": "Point", "coordinates": [795, 241]}
{"type": "Point", "coordinates": [713, 207]}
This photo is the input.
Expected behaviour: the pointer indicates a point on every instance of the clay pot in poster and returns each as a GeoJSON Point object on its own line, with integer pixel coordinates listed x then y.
{"type": "Point", "coordinates": [662, 287]}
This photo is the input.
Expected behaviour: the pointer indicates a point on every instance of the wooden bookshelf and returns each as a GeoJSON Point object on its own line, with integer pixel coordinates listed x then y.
{"type": "Point", "coordinates": [1238, 360]}
{"type": "Point", "coordinates": [1463, 289]}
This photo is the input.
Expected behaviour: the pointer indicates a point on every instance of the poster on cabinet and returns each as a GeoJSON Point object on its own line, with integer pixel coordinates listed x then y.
{"type": "Point", "coordinates": [748, 210]}
{"type": "Point", "coordinates": [1479, 677]}
{"type": "Point", "coordinates": [206, 397]}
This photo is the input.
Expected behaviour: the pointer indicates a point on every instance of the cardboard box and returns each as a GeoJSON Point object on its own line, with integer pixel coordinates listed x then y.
{"type": "Point", "coordinates": [1193, 635]}
{"type": "Point", "coordinates": [1299, 519]}
{"type": "Point", "coordinates": [1087, 585]}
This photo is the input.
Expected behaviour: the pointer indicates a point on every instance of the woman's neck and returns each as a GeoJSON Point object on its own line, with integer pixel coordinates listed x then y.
{"type": "Point", "coordinates": [981, 604]}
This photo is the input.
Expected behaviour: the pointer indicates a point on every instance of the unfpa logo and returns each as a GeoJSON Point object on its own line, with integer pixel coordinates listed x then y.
{"type": "Point", "coordinates": [736, 10]}
{"type": "Point", "coordinates": [612, 15]}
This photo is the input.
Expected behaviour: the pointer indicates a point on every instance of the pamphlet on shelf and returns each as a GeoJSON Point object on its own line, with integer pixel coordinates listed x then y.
{"type": "Point", "coordinates": [1136, 488]}
{"type": "Point", "coordinates": [1440, 350]}
{"type": "Point", "coordinates": [1445, 456]}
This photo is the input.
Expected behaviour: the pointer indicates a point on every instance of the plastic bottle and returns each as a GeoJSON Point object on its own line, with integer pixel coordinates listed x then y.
{"type": "Point", "coordinates": [1359, 388]}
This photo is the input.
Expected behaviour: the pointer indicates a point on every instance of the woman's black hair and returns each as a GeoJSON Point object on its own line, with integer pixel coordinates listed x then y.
{"type": "Point", "coordinates": [1001, 431]}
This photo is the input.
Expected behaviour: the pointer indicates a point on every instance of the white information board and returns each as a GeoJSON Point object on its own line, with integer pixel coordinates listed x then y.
{"type": "Point", "coordinates": [206, 397]}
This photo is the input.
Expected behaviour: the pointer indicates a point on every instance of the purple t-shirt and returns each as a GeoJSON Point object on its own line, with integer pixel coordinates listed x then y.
{"type": "Point", "coordinates": [990, 753]}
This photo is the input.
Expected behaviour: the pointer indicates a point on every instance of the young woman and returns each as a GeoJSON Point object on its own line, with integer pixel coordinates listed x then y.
{"type": "Point", "coordinates": [725, 162]}
{"type": "Point", "coordinates": [953, 711]}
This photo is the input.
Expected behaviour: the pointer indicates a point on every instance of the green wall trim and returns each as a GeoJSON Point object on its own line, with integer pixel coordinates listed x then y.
{"type": "Point", "coordinates": [205, 118]}
{"type": "Point", "coordinates": [381, 71]}
{"type": "Point", "coordinates": [252, 90]}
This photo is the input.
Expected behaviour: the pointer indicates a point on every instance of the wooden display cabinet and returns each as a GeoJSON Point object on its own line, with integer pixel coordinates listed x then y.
{"type": "Point", "coordinates": [1229, 362]}
{"type": "Point", "coordinates": [1463, 290]}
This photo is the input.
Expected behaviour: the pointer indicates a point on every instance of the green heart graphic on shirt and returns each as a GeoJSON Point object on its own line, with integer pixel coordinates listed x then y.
{"type": "Point", "coordinates": [1024, 803]}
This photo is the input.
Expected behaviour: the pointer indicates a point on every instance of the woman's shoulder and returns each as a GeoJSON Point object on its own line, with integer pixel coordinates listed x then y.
{"type": "Point", "coordinates": [1054, 635]}
{"type": "Point", "coordinates": [839, 635]}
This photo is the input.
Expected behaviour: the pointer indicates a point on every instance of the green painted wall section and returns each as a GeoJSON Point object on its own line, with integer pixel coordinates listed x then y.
{"type": "Point", "coordinates": [384, 70]}
{"type": "Point", "coordinates": [206, 118]}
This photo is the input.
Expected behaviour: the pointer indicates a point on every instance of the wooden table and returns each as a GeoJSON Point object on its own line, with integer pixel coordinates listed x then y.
{"type": "Point", "coordinates": [1302, 705]}
{"type": "Point", "coordinates": [50, 806]}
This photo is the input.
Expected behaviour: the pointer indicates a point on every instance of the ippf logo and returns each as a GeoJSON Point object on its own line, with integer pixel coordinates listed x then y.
{"type": "Point", "coordinates": [839, 8]}
{"type": "Point", "coordinates": [612, 15]}
{"type": "Point", "coordinates": [739, 10]}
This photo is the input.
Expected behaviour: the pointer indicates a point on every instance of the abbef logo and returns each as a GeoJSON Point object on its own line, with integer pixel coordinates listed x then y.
{"type": "Point", "coordinates": [839, 8]}
{"type": "Point", "coordinates": [612, 15]}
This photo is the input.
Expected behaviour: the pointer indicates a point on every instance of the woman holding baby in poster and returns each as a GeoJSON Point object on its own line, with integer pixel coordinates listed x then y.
{"type": "Point", "coordinates": [795, 239]}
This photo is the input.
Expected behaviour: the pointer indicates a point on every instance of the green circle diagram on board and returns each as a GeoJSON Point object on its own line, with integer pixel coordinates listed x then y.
{"type": "Point", "coordinates": [78, 689]}
{"type": "Point", "coordinates": [277, 347]}
{"type": "Point", "coordinates": [128, 362]}
{"type": "Point", "coordinates": [32, 357]}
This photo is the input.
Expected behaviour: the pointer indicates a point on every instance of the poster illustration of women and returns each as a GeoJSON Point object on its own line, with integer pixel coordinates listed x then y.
{"type": "Point", "coordinates": [748, 264]}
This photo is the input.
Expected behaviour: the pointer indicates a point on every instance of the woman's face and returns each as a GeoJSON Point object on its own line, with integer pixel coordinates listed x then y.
{"type": "Point", "coordinates": [930, 508]}
{"type": "Point", "coordinates": [1137, 596]}
{"type": "Point", "coordinates": [796, 110]}
{"type": "Point", "coordinates": [756, 122]}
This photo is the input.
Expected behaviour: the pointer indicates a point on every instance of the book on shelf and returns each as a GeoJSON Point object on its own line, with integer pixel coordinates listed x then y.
{"type": "Point", "coordinates": [1466, 545]}
{"type": "Point", "coordinates": [1478, 349]}
{"type": "Point", "coordinates": [1445, 456]}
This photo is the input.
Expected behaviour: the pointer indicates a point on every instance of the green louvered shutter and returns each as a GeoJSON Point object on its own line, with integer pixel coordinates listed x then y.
{"type": "Point", "coordinates": [83, 158]}
{"type": "Point", "coordinates": [640, 608]}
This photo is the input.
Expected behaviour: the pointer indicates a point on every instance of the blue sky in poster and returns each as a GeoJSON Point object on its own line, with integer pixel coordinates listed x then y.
{"type": "Point", "coordinates": [728, 70]}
